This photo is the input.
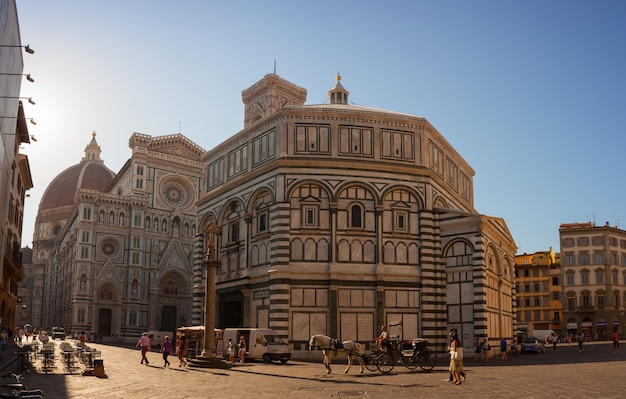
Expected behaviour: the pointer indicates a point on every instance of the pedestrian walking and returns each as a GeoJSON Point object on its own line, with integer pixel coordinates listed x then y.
{"type": "Point", "coordinates": [615, 341]}
{"type": "Point", "coordinates": [242, 349]}
{"type": "Point", "coordinates": [477, 349]}
{"type": "Point", "coordinates": [181, 349]}
{"type": "Point", "coordinates": [230, 349]}
{"type": "Point", "coordinates": [555, 340]}
{"type": "Point", "coordinates": [456, 358]}
{"type": "Point", "coordinates": [144, 344]}
{"type": "Point", "coordinates": [581, 339]}
{"type": "Point", "coordinates": [569, 340]}
{"type": "Point", "coordinates": [3, 340]}
{"type": "Point", "coordinates": [20, 335]}
{"type": "Point", "coordinates": [484, 347]}
{"type": "Point", "coordinates": [166, 349]}
{"type": "Point", "coordinates": [451, 377]}
{"type": "Point", "coordinates": [503, 348]}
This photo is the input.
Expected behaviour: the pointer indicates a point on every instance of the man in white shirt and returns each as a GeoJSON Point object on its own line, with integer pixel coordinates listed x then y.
{"type": "Point", "coordinates": [144, 343]}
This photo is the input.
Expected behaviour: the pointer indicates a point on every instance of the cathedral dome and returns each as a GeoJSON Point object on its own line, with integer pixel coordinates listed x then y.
{"type": "Point", "coordinates": [90, 174]}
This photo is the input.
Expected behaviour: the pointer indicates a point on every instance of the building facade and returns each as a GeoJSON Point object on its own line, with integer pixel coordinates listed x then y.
{"type": "Point", "coordinates": [336, 219]}
{"type": "Point", "coordinates": [538, 287]}
{"type": "Point", "coordinates": [593, 272]}
{"type": "Point", "coordinates": [118, 258]}
{"type": "Point", "coordinates": [15, 177]}
{"type": "Point", "coordinates": [24, 310]}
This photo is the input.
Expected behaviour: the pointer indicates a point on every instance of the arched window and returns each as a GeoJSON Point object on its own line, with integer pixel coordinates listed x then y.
{"type": "Point", "coordinates": [356, 216]}
{"type": "Point", "coordinates": [135, 288]}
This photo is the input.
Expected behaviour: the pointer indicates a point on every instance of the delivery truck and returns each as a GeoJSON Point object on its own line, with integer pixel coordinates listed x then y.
{"type": "Point", "coordinates": [545, 336]}
{"type": "Point", "coordinates": [261, 344]}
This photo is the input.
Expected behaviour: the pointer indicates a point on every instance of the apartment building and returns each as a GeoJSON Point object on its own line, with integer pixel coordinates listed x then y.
{"type": "Point", "coordinates": [594, 278]}
{"type": "Point", "coordinates": [15, 176]}
{"type": "Point", "coordinates": [538, 304]}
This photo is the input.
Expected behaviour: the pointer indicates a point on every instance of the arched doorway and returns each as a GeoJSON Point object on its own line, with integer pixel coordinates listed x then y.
{"type": "Point", "coordinates": [104, 322]}
{"type": "Point", "coordinates": [173, 294]}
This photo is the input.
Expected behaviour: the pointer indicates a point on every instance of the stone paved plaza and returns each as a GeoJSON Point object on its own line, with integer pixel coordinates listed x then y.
{"type": "Point", "coordinates": [565, 373]}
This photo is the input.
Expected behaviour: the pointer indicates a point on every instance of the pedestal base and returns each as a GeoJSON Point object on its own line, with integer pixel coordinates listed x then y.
{"type": "Point", "coordinates": [208, 362]}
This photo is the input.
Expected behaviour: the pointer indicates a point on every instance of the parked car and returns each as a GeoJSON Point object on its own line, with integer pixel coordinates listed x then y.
{"type": "Point", "coordinates": [533, 345]}
{"type": "Point", "coordinates": [58, 332]}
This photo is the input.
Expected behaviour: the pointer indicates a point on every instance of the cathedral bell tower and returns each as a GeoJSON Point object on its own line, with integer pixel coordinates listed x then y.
{"type": "Point", "coordinates": [269, 95]}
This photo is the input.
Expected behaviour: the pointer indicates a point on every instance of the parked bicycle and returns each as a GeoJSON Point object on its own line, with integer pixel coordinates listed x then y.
{"type": "Point", "coordinates": [17, 389]}
{"type": "Point", "coordinates": [410, 354]}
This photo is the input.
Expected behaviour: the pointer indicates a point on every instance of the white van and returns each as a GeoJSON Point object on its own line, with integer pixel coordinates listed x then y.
{"type": "Point", "coordinates": [261, 344]}
{"type": "Point", "coordinates": [544, 335]}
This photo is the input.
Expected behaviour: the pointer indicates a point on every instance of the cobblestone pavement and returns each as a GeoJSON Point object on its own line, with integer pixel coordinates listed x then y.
{"type": "Point", "coordinates": [596, 372]}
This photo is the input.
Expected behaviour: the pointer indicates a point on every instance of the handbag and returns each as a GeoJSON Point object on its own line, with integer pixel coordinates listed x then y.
{"type": "Point", "coordinates": [453, 355]}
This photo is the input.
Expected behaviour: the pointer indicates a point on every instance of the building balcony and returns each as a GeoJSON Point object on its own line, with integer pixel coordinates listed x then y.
{"type": "Point", "coordinates": [584, 308]}
{"type": "Point", "coordinates": [13, 266]}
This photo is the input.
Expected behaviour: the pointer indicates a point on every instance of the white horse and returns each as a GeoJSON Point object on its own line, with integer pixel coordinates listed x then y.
{"type": "Point", "coordinates": [332, 347]}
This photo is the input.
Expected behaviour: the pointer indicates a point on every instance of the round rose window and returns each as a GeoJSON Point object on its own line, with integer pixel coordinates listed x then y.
{"type": "Point", "coordinates": [109, 247]}
{"type": "Point", "coordinates": [175, 194]}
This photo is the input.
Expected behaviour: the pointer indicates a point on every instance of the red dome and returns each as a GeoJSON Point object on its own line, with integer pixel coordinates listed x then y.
{"type": "Point", "coordinates": [87, 174]}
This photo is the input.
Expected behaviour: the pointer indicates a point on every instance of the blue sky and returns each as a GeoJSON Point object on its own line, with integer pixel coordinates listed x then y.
{"type": "Point", "coordinates": [531, 93]}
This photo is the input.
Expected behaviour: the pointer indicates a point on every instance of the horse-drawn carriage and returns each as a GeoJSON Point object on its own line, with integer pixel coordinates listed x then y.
{"type": "Point", "coordinates": [411, 354]}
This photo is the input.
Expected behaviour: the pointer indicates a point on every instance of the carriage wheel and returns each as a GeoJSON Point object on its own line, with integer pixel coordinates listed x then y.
{"type": "Point", "coordinates": [427, 359]}
{"type": "Point", "coordinates": [385, 363]}
{"type": "Point", "coordinates": [371, 362]}
{"type": "Point", "coordinates": [410, 362]}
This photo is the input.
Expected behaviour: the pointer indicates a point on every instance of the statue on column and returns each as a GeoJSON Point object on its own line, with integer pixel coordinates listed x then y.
{"type": "Point", "coordinates": [210, 242]}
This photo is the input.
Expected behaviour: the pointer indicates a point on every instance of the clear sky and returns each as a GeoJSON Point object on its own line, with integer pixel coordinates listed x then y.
{"type": "Point", "coordinates": [531, 93]}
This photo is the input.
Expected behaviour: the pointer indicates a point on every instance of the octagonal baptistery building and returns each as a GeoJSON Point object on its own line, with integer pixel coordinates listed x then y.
{"type": "Point", "coordinates": [337, 219]}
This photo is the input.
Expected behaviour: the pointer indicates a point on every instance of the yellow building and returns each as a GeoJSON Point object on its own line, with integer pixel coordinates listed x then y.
{"type": "Point", "coordinates": [538, 287]}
